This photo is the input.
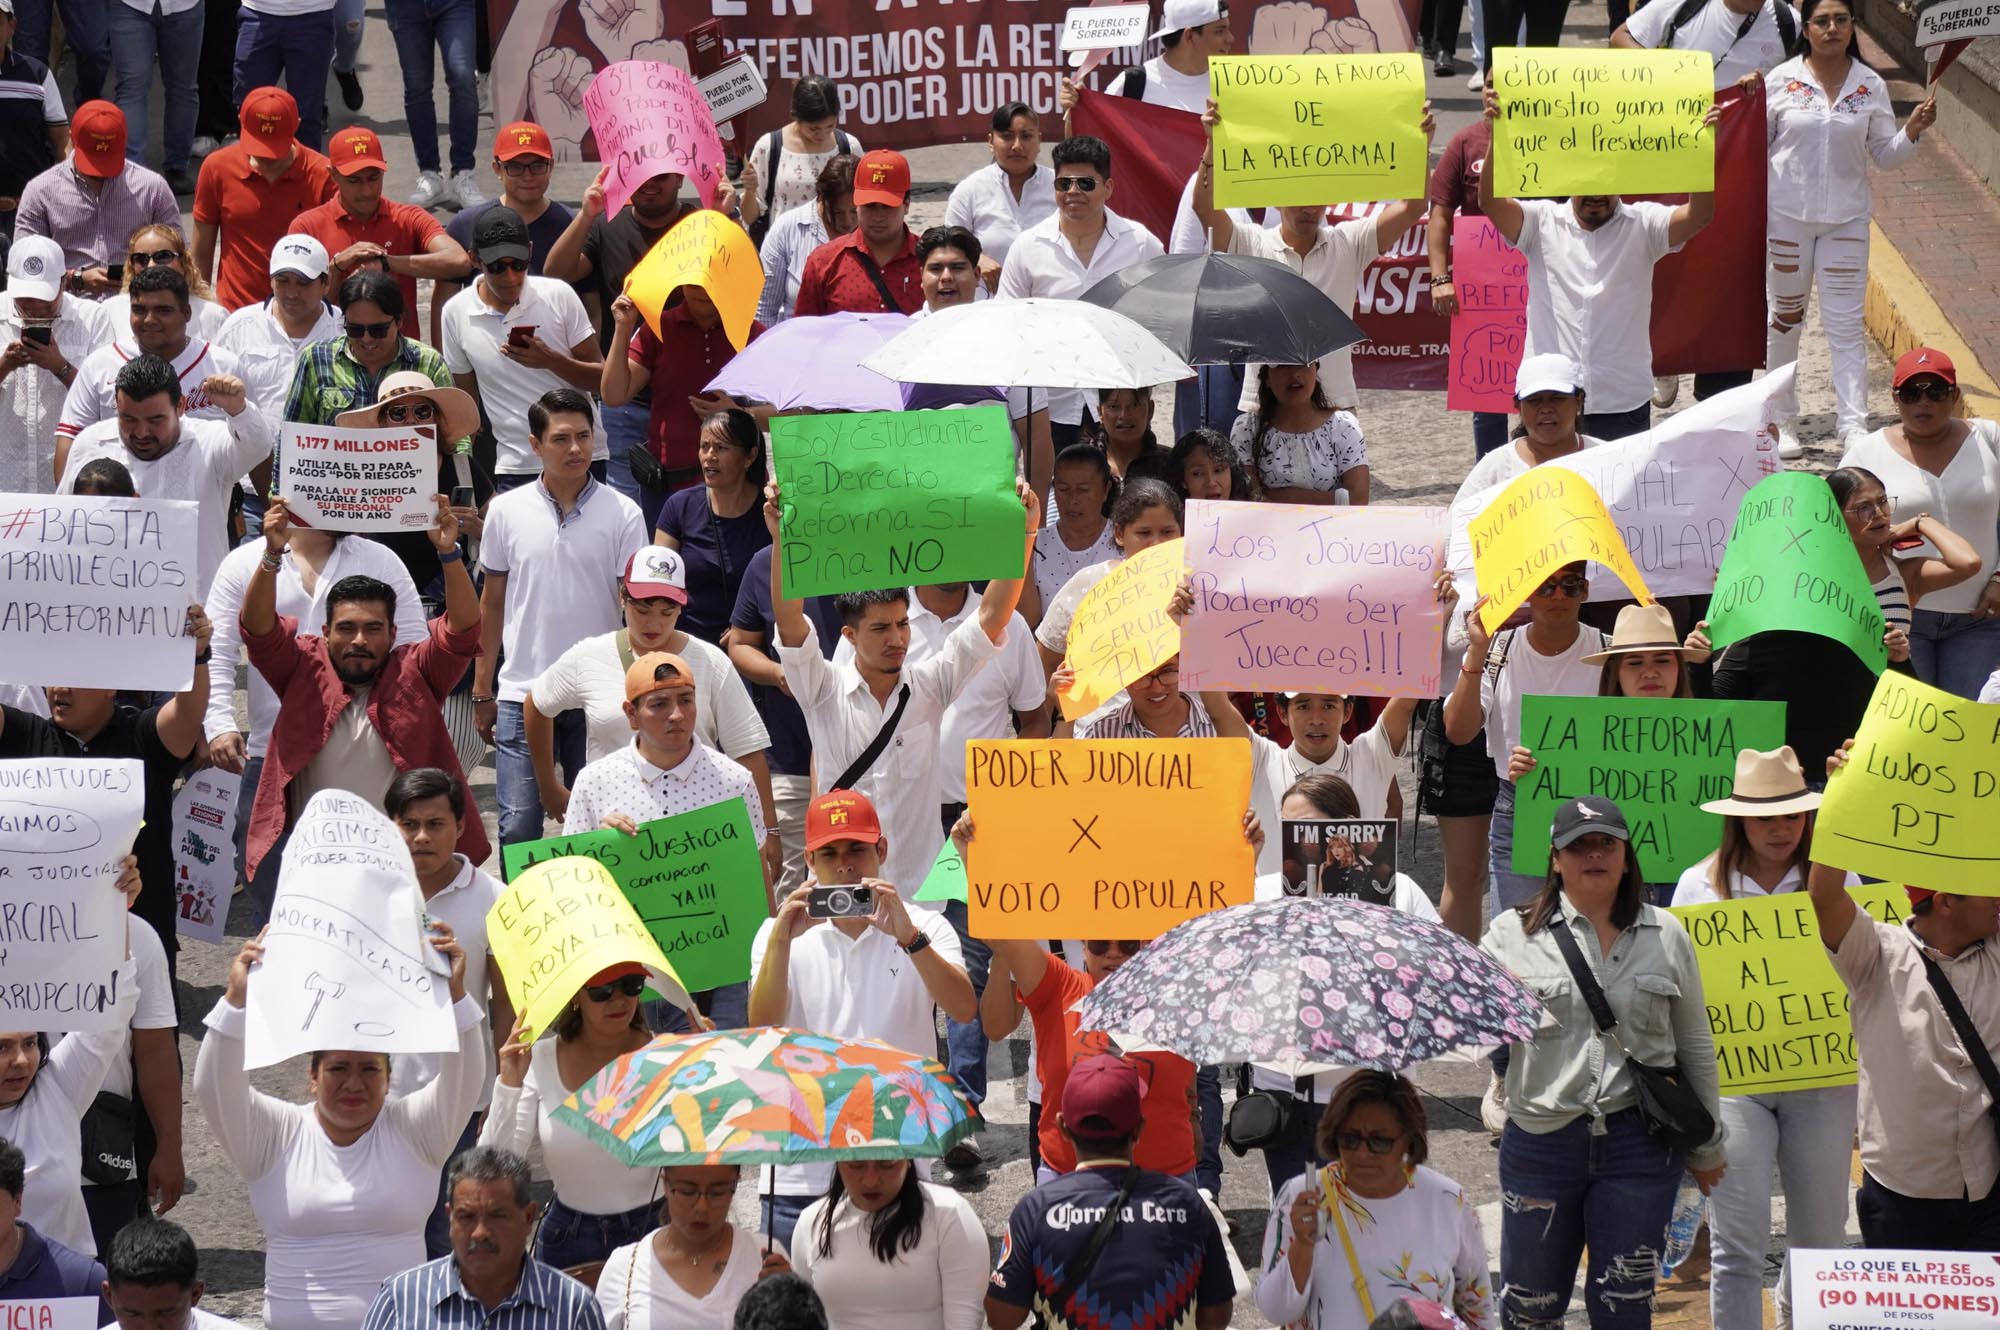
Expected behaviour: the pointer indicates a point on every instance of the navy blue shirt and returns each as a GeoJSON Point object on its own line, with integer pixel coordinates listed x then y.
{"type": "Point", "coordinates": [790, 753]}
{"type": "Point", "coordinates": [717, 552]}
{"type": "Point", "coordinates": [47, 1269]}
{"type": "Point", "coordinates": [543, 233]}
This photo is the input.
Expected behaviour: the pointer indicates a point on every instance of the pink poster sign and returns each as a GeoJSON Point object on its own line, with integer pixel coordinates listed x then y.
{"type": "Point", "coordinates": [1491, 327]}
{"type": "Point", "coordinates": [650, 119]}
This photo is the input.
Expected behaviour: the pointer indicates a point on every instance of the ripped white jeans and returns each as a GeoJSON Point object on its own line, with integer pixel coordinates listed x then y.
{"type": "Point", "coordinates": [1834, 257]}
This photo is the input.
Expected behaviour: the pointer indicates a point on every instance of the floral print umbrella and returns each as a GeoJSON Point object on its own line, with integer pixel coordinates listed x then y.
{"type": "Point", "coordinates": [769, 1096]}
{"type": "Point", "coordinates": [1305, 985]}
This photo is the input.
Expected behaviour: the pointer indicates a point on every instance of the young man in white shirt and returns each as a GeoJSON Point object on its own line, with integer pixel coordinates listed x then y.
{"type": "Point", "coordinates": [552, 553]}
{"type": "Point", "coordinates": [1190, 32]}
{"type": "Point", "coordinates": [1010, 194]}
{"type": "Point", "coordinates": [266, 338]}
{"type": "Point", "coordinates": [36, 370]}
{"type": "Point", "coordinates": [879, 974]}
{"type": "Point", "coordinates": [152, 1280]}
{"type": "Point", "coordinates": [1368, 764]}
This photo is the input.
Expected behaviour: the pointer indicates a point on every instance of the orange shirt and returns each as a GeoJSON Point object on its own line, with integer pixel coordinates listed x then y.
{"type": "Point", "coordinates": [1166, 1133]}
{"type": "Point", "coordinates": [399, 228]}
{"type": "Point", "coordinates": [252, 213]}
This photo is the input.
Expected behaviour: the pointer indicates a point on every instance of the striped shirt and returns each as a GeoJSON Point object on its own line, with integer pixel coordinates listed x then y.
{"type": "Point", "coordinates": [430, 1297]}
{"type": "Point", "coordinates": [1893, 595]}
{"type": "Point", "coordinates": [1124, 723]}
{"type": "Point", "coordinates": [29, 104]}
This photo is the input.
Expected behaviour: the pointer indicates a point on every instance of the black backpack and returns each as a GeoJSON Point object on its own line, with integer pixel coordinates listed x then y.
{"type": "Point", "coordinates": [1781, 13]}
{"type": "Point", "coordinates": [776, 138]}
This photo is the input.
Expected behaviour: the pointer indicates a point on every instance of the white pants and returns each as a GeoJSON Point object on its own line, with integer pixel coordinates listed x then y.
{"type": "Point", "coordinates": [1798, 255]}
{"type": "Point", "coordinates": [789, 797]}
{"type": "Point", "coordinates": [1807, 1135]}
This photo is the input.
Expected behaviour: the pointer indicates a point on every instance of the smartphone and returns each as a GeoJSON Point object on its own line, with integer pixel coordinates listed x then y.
{"type": "Point", "coordinates": [1909, 542]}
{"type": "Point", "coordinates": [462, 497]}
{"type": "Point", "coordinates": [840, 903]}
{"type": "Point", "coordinates": [41, 335]}
{"type": "Point", "coordinates": [521, 335]}
{"type": "Point", "coordinates": [115, 271]}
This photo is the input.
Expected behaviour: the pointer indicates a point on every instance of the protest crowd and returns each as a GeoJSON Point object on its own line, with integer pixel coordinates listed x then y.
{"type": "Point", "coordinates": [882, 636]}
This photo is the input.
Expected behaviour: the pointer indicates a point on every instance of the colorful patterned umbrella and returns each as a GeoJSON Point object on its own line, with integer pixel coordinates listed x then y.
{"type": "Point", "coordinates": [1305, 985]}
{"type": "Point", "coordinates": [770, 1096]}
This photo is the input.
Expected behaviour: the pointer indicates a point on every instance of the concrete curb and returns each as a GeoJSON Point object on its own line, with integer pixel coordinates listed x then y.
{"type": "Point", "coordinates": [1900, 314]}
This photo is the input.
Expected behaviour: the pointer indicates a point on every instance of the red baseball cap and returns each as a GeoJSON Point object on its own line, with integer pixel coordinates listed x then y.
{"type": "Point", "coordinates": [1918, 895]}
{"type": "Point", "coordinates": [97, 131]}
{"type": "Point", "coordinates": [612, 973]}
{"type": "Point", "coordinates": [523, 138]}
{"type": "Point", "coordinates": [1102, 1097]}
{"type": "Point", "coordinates": [882, 176]}
{"type": "Point", "coordinates": [841, 815]}
{"type": "Point", "coordinates": [270, 122]}
{"type": "Point", "coordinates": [1925, 360]}
{"type": "Point", "coordinates": [356, 149]}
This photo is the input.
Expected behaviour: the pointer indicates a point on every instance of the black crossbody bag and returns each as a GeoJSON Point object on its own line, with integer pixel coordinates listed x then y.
{"type": "Point", "coordinates": [1968, 1037]}
{"type": "Point", "coordinates": [859, 766]}
{"type": "Point", "coordinates": [1099, 1236]}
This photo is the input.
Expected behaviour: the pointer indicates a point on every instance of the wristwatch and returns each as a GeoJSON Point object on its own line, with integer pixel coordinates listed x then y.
{"type": "Point", "coordinates": [917, 943]}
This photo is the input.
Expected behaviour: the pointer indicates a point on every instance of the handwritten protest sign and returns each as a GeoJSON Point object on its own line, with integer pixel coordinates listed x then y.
{"type": "Point", "coordinates": [66, 825]}
{"type": "Point", "coordinates": [650, 119]}
{"type": "Point", "coordinates": [49, 1313]}
{"type": "Point", "coordinates": [95, 592]}
{"type": "Point", "coordinates": [1791, 564]}
{"type": "Point", "coordinates": [709, 251]}
{"type": "Point", "coordinates": [1777, 1009]}
{"type": "Point", "coordinates": [1545, 519]}
{"type": "Point", "coordinates": [560, 922]}
{"type": "Point", "coordinates": [1891, 1288]}
{"type": "Point", "coordinates": [1315, 129]}
{"type": "Point", "coordinates": [1103, 28]}
{"type": "Point", "coordinates": [695, 880]}
{"type": "Point", "coordinates": [1943, 21]}
{"type": "Point", "coordinates": [1601, 122]}
{"type": "Point", "coordinates": [1121, 630]}
{"type": "Point", "coordinates": [946, 880]}
{"type": "Point", "coordinates": [205, 852]}
{"type": "Point", "coordinates": [346, 962]}
{"type": "Point", "coordinates": [1295, 598]}
{"type": "Point", "coordinates": [1094, 838]}
{"type": "Point", "coordinates": [895, 498]}
{"type": "Point", "coordinates": [359, 479]}
{"type": "Point", "coordinates": [1490, 331]}
{"type": "Point", "coordinates": [1915, 802]}
{"type": "Point", "coordinates": [1330, 857]}
{"type": "Point", "coordinates": [1658, 759]}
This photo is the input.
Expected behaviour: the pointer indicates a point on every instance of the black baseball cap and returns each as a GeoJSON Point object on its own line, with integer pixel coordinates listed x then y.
{"type": "Point", "coordinates": [499, 233]}
{"type": "Point", "coordinates": [1590, 815]}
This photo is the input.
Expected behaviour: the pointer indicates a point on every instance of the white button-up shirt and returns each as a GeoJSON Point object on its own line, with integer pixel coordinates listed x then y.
{"type": "Point", "coordinates": [627, 782]}
{"type": "Point", "coordinates": [31, 399]}
{"type": "Point", "coordinates": [984, 204]}
{"type": "Point", "coordinates": [1590, 294]}
{"type": "Point", "coordinates": [1334, 265]}
{"type": "Point", "coordinates": [1820, 150]}
{"type": "Point", "coordinates": [268, 354]}
{"type": "Point", "coordinates": [790, 241]}
{"type": "Point", "coordinates": [472, 334]}
{"type": "Point", "coordinates": [1043, 263]}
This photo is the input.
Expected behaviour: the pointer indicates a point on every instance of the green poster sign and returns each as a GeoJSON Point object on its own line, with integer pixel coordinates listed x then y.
{"type": "Point", "coordinates": [946, 880]}
{"type": "Point", "coordinates": [1658, 759]}
{"type": "Point", "coordinates": [695, 879]}
{"type": "Point", "coordinates": [897, 498]}
{"type": "Point", "coordinates": [1790, 564]}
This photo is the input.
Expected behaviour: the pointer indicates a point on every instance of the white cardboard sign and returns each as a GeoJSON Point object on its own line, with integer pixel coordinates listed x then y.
{"type": "Point", "coordinates": [1957, 20]}
{"type": "Point", "coordinates": [1891, 1289]}
{"type": "Point", "coordinates": [1104, 27]}
{"type": "Point", "coordinates": [205, 852]}
{"type": "Point", "coordinates": [733, 89]}
{"type": "Point", "coordinates": [359, 479]}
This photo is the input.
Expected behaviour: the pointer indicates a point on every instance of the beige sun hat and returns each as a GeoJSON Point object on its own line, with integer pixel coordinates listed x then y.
{"type": "Point", "coordinates": [460, 412]}
{"type": "Point", "coordinates": [1640, 628]}
{"type": "Point", "coordinates": [1767, 785]}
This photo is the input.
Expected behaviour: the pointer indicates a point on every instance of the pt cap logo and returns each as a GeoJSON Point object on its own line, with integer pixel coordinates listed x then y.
{"type": "Point", "coordinates": [523, 139]}
{"type": "Point", "coordinates": [837, 817]}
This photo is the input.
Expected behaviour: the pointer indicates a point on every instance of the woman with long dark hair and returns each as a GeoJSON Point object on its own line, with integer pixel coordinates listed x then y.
{"type": "Point", "coordinates": [887, 1251]}
{"type": "Point", "coordinates": [1301, 449]}
{"type": "Point", "coordinates": [1204, 465]}
{"type": "Point", "coordinates": [719, 525]}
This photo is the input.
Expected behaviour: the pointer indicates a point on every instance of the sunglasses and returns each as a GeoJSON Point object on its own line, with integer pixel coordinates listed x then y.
{"type": "Point", "coordinates": [1917, 392]}
{"type": "Point", "coordinates": [371, 331]}
{"type": "Point", "coordinates": [499, 266]}
{"type": "Point", "coordinates": [1354, 1142]}
{"type": "Point", "coordinates": [1572, 586]}
{"type": "Point", "coordinates": [141, 258]}
{"type": "Point", "coordinates": [631, 985]}
{"type": "Point", "coordinates": [1082, 184]}
{"type": "Point", "coordinates": [409, 411]}
{"type": "Point", "coordinates": [1103, 948]}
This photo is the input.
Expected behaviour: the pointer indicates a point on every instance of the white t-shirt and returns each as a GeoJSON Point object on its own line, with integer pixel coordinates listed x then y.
{"type": "Point", "coordinates": [591, 675]}
{"type": "Point", "coordinates": [1715, 30]}
{"type": "Point", "coordinates": [1167, 86]}
{"type": "Point", "coordinates": [155, 1009]}
{"type": "Point", "coordinates": [636, 1293]}
{"type": "Point", "coordinates": [1965, 498]}
{"type": "Point", "coordinates": [586, 1177]}
{"type": "Point", "coordinates": [1528, 673]}
{"type": "Point", "coordinates": [198, 1319]}
{"type": "Point", "coordinates": [1367, 764]}
{"type": "Point", "coordinates": [1056, 562]}
{"type": "Point", "coordinates": [939, 1284]}
{"type": "Point", "coordinates": [1590, 294]}
{"type": "Point", "coordinates": [473, 334]}
{"type": "Point", "coordinates": [1334, 265]}
{"type": "Point", "coordinates": [463, 903]}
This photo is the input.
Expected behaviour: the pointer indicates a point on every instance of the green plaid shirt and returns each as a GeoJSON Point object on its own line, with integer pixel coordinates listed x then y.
{"type": "Point", "coordinates": [328, 381]}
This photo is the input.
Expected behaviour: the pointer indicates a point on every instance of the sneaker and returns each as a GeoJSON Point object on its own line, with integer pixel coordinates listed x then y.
{"type": "Point", "coordinates": [204, 145]}
{"type": "Point", "coordinates": [1445, 66]}
{"type": "Point", "coordinates": [1665, 389]}
{"type": "Point", "coordinates": [465, 187]}
{"type": "Point", "coordinates": [1789, 447]}
{"type": "Point", "coordinates": [1493, 1106]}
{"type": "Point", "coordinates": [431, 190]}
{"type": "Point", "coordinates": [1477, 83]}
{"type": "Point", "coordinates": [965, 1157]}
{"type": "Point", "coordinates": [350, 88]}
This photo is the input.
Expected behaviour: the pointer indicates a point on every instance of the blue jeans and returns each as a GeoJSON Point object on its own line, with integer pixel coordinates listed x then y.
{"type": "Point", "coordinates": [728, 1006]}
{"type": "Point", "coordinates": [1489, 431]}
{"type": "Point", "coordinates": [964, 1041]}
{"type": "Point", "coordinates": [445, 26]}
{"type": "Point", "coordinates": [170, 43]}
{"type": "Point", "coordinates": [1208, 400]}
{"type": "Point", "coordinates": [623, 427]}
{"type": "Point", "coordinates": [437, 1229]}
{"type": "Point", "coordinates": [298, 46]}
{"type": "Point", "coordinates": [348, 16]}
{"type": "Point", "coordinates": [1568, 1190]}
{"type": "Point", "coordinates": [1955, 652]}
{"type": "Point", "coordinates": [570, 1237]}
{"type": "Point", "coordinates": [86, 31]}
{"type": "Point", "coordinates": [1208, 1159]}
{"type": "Point", "coordinates": [1510, 889]}
{"type": "Point", "coordinates": [514, 771]}
{"type": "Point", "coordinates": [781, 1215]}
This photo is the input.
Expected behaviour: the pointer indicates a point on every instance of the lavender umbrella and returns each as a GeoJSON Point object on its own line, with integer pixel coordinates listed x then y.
{"type": "Point", "coordinates": [815, 362]}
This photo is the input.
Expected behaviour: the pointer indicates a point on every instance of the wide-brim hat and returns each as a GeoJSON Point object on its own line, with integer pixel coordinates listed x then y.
{"type": "Point", "coordinates": [1767, 785]}
{"type": "Point", "coordinates": [460, 412]}
{"type": "Point", "coordinates": [1640, 628]}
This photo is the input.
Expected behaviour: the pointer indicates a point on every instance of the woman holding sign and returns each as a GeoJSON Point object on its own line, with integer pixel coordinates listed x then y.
{"type": "Point", "coordinates": [1146, 513]}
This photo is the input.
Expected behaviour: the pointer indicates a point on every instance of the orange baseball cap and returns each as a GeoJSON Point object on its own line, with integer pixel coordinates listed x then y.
{"type": "Point", "coordinates": [97, 131]}
{"type": "Point", "coordinates": [841, 815]}
{"type": "Point", "coordinates": [270, 122]}
{"type": "Point", "coordinates": [644, 676]}
{"type": "Point", "coordinates": [523, 138]}
{"type": "Point", "coordinates": [882, 176]}
{"type": "Point", "coordinates": [356, 149]}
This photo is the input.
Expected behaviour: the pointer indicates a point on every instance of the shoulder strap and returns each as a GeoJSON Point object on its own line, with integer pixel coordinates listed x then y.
{"type": "Point", "coordinates": [1330, 1197]}
{"type": "Point", "coordinates": [1968, 1034]}
{"type": "Point", "coordinates": [859, 767]}
{"type": "Point", "coordinates": [622, 639]}
{"type": "Point", "coordinates": [842, 142]}
{"type": "Point", "coordinates": [1135, 83]}
{"type": "Point", "coordinates": [1087, 1259]}
{"type": "Point", "coordinates": [889, 305]}
{"type": "Point", "coordinates": [1586, 982]}
{"type": "Point", "coordinates": [1788, 26]}
{"type": "Point", "coordinates": [1496, 653]}
{"type": "Point", "coordinates": [776, 138]}
{"type": "Point", "coordinates": [1686, 14]}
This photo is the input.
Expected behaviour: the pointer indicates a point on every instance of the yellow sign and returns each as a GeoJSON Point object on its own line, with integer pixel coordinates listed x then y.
{"type": "Point", "coordinates": [1121, 631]}
{"type": "Point", "coordinates": [1105, 838]}
{"type": "Point", "coordinates": [1546, 518]}
{"type": "Point", "coordinates": [1778, 1010]}
{"type": "Point", "coordinates": [1915, 802]}
{"type": "Point", "coordinates": [711, 252]}
{"type": "Point", "coordinates": [1299, 130]}
{"type": "Point", "coordinates": [560, 922]}
{"type": "Point", "coordinates": [1577, 121]}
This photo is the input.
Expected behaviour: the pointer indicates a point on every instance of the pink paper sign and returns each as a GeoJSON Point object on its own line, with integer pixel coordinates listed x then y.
{"type": "Point", "coordinates": [1297, 598]}
{"type": "Point", "coordinates": [650, 120]}
{"type": "Point", "coordinates": [1491, 327]}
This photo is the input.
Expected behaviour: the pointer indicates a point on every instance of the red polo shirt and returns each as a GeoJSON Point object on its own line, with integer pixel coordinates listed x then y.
{"type": "Point", "coordinates": [251, 213]}
{"type": "Point", "coordinates": [681, 367]}
{"type": "Point", "coordinates": [400, 228]}
{"type": "Point", "coordinates": [836, 278]}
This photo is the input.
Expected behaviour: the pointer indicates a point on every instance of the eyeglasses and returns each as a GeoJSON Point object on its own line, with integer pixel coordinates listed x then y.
{"type": "Point", "coordinates": [140, 258]}
{"type": "Point", "coordinates": [1082, 184]}
{"type": "Point", "coordinates": [1354, 1142]}
{"type": "Point", "coordinates": [1866, 508]}
{"type": "Point", "coordinates": [417, 411]}
{"type": "Point", "coordinates": [521, 166]}
{"type": "Point", "coordinates": [1828, 22]}
{"type": "Point", "coordinates": [1103, 948]}
{"type": "Point", "coordinates": [1165, 674]}
{"type": "Point", "coordinates": [1917, 392]}
{"type": "Point", "coordinates": [372, 331]}
{"type": "Point", "coordinates": [1572, 586]}
{"type": "Point", "coordinates": [499, 266]}
{"type": "Point", "coordinates": [716, 1195]}
{"type": "Point", "coordinates": [631, 985]}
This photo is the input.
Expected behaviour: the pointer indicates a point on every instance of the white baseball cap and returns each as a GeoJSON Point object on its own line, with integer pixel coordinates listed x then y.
{"type": "Point", "coordinates": [1180, 15]}
{"type": "Point", "coordinates": [35, 268]}
{"type": "Point", "coordinates": [1548, 373]}
{"type": "Point", "coordinates": [656, 573]}
{"type": "Point", "coordinates": [300, 255]}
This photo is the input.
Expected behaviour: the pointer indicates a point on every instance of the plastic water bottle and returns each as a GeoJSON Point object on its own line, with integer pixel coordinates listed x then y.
{"type": "Point", "coordinates": [1690, 1212]}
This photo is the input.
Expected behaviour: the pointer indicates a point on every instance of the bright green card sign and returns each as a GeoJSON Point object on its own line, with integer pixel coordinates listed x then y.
{"type": "Point", "coordinates": [1791, 564]}
{"type": "Point", "coordinates": [946, 880]}
{"type": "Point", "coordinates": [1658, 759]}
{"type": "Point", "coordinates": [694, 878]}
{"type": "Point", "coordinates": [897, 498]}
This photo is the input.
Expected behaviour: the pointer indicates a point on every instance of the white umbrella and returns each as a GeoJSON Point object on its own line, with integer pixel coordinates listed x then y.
{"type": "Point", "coordinates": [1038, 343]}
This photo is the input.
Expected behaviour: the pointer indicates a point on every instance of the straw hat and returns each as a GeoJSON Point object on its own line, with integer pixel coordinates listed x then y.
{"type": "Point", "coordinates": [455, 405]}
{"type": "Point", "coordinates": [1640, 628]}
{"type": "Point", "coordinates": [1767, 785]}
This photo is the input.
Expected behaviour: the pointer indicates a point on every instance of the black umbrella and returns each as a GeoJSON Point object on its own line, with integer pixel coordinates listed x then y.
{"type": "Point", "coordinates": [1228, 309]}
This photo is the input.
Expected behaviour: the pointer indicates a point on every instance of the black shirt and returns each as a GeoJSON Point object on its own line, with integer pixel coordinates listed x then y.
{"type": "Point", "coordinates": [1824, 686]}
{"type": "Point", "coordinates": [29, 104]}
{"type": "Point", "coordinates": [614, 247]}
